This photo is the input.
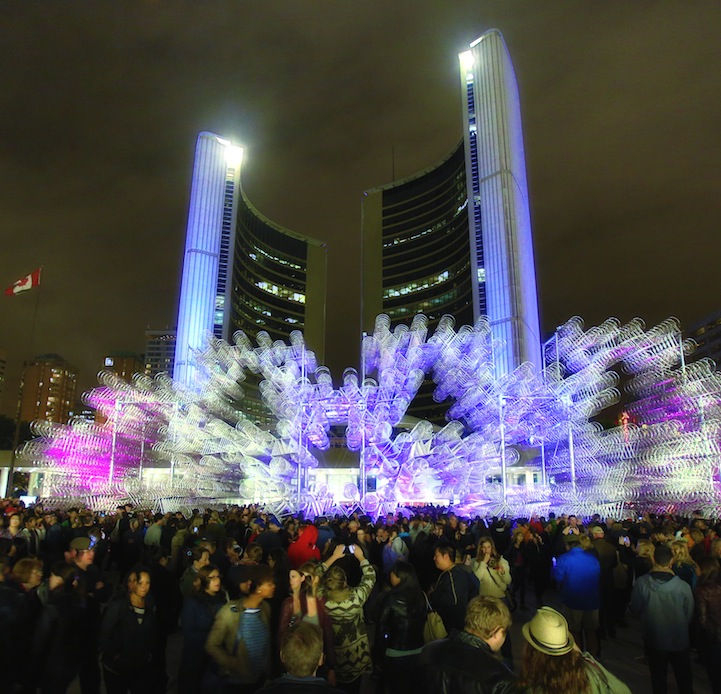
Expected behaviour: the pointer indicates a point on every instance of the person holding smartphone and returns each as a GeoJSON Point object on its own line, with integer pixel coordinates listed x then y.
{"type": "Point", "coordinates": [344, 605]}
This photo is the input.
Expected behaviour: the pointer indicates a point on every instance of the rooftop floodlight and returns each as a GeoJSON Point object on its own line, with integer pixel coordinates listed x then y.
{"type": "Point", "coordinates": [234, 156]}
{"type": "Point", "coordinates": [466, 59]}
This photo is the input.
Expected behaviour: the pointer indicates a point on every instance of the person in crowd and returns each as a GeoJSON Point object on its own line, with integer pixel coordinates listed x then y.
{"type": "Point", "coordinates": [58, 638]}
{"type": "Point", "coordinates": [516, 555]}
{"type": "Point", "coordinates": [303, 604]}
{"type": "Point", "coordinates": [199, 611]}
{"type": "Point", "coordinates": [537, 558]}
{"type": "Point", "coordinates": [96, 591]}
{"type": "Point", "coordinates": [253, 554]}
{"type": "Point", "coordinates": [453, 588]}
{"type": "Point", "coordinates": [302, 653]}
{"type": "Point", "coordinates": [664, 602]}
{"type": "Point", "coordinates": [553, 663]}
{"type": "Point", "coordinates": [642, 561]}
{"type": "Point", "coordinates": [279, 562]}
{"type": "Point", "coordinates": [166, 594]}
{"type": "Point", "coordinates": [176, 547]}
{"type": "Point", "coordinates": [131, 545]}
{"type": "Point", "coordinates": [199, 557]}
{"type": "Point", "coordinates": [128, 637]}
{"type": "Point", "coordinates": [34, 535]}
{"type": "Point", "coordinates": [362, 540]}
{"type": "Point", "coordinates": [494, 576]}
{"type": "Point", "coordinates": [491, 570]}
{"type": "Point", "coordinates": [708, 619]}
{"type": "Point", "coordinates": [683, 566]}
{"type": "Point", "coordinates": [270, 536]}
{"type": "Point", "coordinates": [22, 599]}
{"type": "Point", "coordinates": [155, 531]}
{"type": "Point", "coordinates": [13, 527]}
{"type": "Point", "coordinates": [578, 574]}
{"type": "Point", "coordinates": [399, 630]}
{"type": "Point", "coordinates": [421, 556]}
{"type": "Point", "coordinates": [607, 556]}
{"type": "Point", "coordinates": [467, 660]}
{"type": "Point", "coordinates": [239, 640]}
{"type": "Point", "coordinates": [305, 548]}
{"type": "Point", "coordinates": [395, 550]}
{"type": "Point", "coordinates": [344, 605]}
{"type": "Point", "coordinates": [325, 533]}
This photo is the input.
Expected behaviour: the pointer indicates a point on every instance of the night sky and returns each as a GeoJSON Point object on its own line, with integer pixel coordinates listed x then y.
{"type": "Point", "coordinates": [101, 103]}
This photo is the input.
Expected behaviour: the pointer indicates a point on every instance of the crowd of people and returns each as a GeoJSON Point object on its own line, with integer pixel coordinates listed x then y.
{"type": "Point", "coordinates": [418, 602]}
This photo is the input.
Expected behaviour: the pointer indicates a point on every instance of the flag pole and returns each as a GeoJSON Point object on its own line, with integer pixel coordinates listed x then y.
{"type": "Point", "coordinates": [16, 435]}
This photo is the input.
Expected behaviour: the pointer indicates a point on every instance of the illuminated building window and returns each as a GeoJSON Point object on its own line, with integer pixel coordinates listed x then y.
{"type": "Point", "coordinates": [275, 259]}
{"type": "Point", "coordinates": [404, 289]}
{"type": "Point", "coordinates": [283, 292]}
{"type": "Point", "coordinates": [399, 240]}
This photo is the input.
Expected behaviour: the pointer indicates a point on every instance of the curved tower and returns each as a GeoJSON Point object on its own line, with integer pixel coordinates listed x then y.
{"type": "Point", "coordinates": [417, 255]}
{"type": "Point", "coordinates": [241, 271]}
{"type": "Point", "coordinates": [499, 211]}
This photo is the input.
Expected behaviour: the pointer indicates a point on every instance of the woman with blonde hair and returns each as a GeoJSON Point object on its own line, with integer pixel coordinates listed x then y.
{"type": "Point", "coordinates": [552, 662]}
{"type": "Point", "coordinates": [491, 569]}
{"type": "Point", "coordinates": [643, 561]}
{"type": "Point", "coordinates": [683, 565]}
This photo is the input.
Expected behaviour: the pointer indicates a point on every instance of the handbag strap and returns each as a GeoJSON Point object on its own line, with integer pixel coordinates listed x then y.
{"type": "Point", "coordinates": [429, 609]}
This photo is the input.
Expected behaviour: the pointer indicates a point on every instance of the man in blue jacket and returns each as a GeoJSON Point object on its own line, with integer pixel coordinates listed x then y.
{"type": "Point", "coordinates": [664, 603]}
{"type": "Point", "coordinates": [578, 574]}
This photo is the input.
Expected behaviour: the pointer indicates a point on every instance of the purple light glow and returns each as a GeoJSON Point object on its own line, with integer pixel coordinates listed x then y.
{"type": "Point", "coordinates": [534, 426]}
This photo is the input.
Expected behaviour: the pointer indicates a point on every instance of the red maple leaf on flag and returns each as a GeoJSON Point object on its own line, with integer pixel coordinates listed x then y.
{"type": "Point", "coordinates": [24, 283]}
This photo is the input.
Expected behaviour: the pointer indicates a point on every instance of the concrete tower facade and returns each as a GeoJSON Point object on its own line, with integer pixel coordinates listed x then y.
{"type": "Point", "coordinates": [204, 289]}
{"type": "Point", "coordinates": [500, 222]}
{"type": "Point", "coordinates": [241, 271]}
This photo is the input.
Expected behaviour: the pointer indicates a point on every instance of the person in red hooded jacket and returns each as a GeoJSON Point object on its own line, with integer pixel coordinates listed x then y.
{"type": "Point", "coordinates": [304, 548]}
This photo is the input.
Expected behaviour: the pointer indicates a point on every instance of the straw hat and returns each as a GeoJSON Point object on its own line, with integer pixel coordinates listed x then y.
{"type": "Point", "coordinates": [548, 632]}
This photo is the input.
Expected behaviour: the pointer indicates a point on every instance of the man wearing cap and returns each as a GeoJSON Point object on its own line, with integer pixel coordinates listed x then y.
{"type": "Point", "coordinates": [269, 538]}
{"type": "Point", "coordinates": [91, 584]}
{"type": "Point", "coordinates": [467, 660]}
{"type": "Point", "coordinates": [664, 602]}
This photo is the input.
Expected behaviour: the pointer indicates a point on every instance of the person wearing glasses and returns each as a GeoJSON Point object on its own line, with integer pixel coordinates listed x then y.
{"type": "Point", "coordinates": [196, 619]}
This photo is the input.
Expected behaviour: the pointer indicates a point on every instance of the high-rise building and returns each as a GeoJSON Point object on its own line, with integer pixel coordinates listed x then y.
{"type": "Point", "coordinates": [159, 351]}
{"type": "Point", "coordinates": [241, 271]}
{"type": "Point", "coordinates": [456, 237]}
{"type": "Point", "coordinates": [499, 215]}
{"type": "Point", "coordinates": [124, 364]}
{"type": "Point", "coordinates": [417, 255]}
{"type": "Point", "coordinates": [48, 388]}
{"type": "Point", "coordinates": [209, 238]}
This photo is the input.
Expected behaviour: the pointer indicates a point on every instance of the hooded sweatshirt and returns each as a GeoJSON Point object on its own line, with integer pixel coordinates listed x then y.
{"type": "Point", "coordinates": [304, 548]}
{"type": "Point", "coordinates": [664, 603]}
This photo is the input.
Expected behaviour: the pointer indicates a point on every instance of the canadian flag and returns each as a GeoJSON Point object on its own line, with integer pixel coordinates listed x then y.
{"type": "Point", "coordinates": [25, 283]}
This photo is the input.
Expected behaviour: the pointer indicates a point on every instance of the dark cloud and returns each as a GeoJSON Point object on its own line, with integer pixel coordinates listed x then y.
{"type": "Point", "coordinates": [101, 104]}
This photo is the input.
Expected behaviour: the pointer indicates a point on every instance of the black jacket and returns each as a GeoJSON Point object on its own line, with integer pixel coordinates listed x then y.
{"type": "Point", "coordinates": [453, 589]}
{"type": "Point", "coordinates": [126, 645]}
{"type": "Point", "coordinates": [464, 664]}
{"type": "Point", "coordinates": [400, 623]}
